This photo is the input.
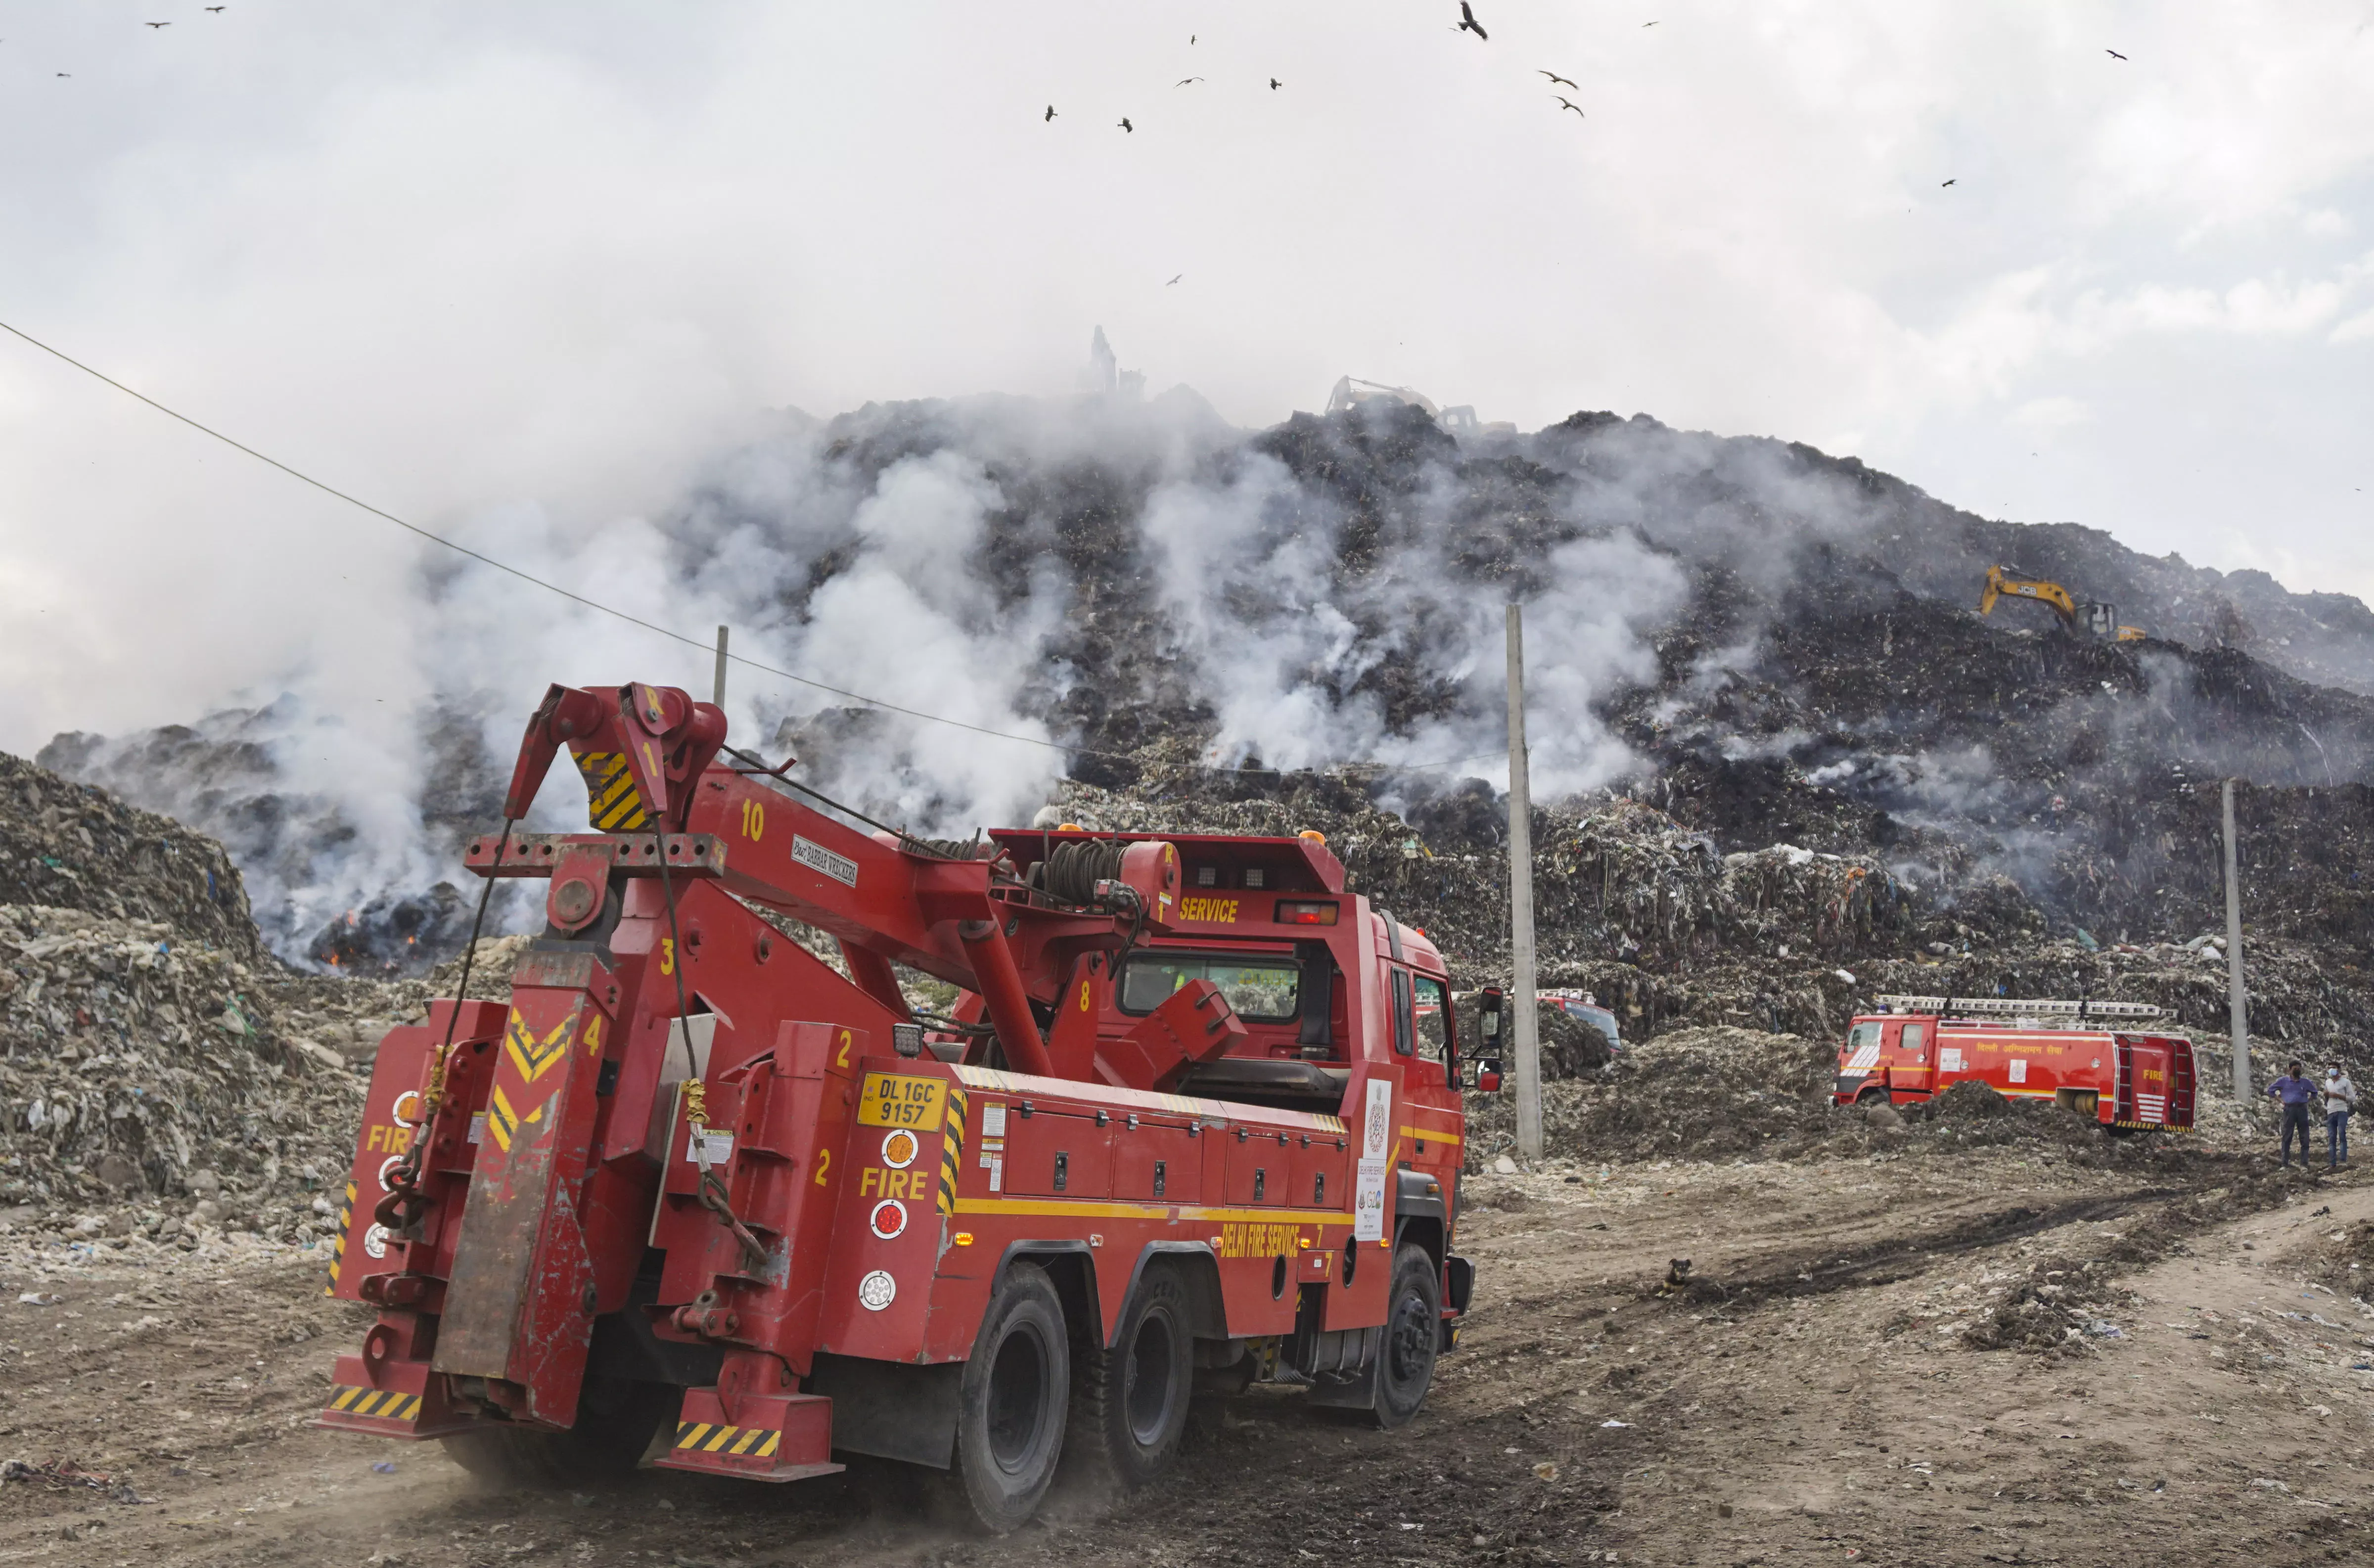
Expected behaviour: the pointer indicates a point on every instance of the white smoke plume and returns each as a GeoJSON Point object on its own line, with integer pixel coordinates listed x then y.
{"type": "Point", "coordinates": [1093, 572]}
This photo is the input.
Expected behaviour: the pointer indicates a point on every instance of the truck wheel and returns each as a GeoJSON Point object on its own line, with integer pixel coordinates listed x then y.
{"type": "Point", "coordinates": [615, 1420]}
{"type": "Point", "coordinates": [1412, 1337]}
{"type": "Point", "coordinates": [1132, 1405]}
{"type": "Point", "coordinates": [1010, 1402]}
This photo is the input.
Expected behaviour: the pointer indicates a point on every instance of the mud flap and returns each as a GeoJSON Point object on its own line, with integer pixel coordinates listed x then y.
{"type": "Point", "coordinates": [893, 1410]}
{"type": "Point", "coordinates": [1347, 1390]}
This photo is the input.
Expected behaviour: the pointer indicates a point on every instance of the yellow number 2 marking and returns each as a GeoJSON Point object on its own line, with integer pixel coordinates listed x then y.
{"type": "Point", "coordinates": [824, 1165]}
{"type": "Point", "coordinates": [842, 1060]}
{"type": "Point", "coordinates": [667, 955]}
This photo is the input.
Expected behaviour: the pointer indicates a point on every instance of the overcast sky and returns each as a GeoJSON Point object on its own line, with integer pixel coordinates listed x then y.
{"type": "Point", "coordinates": [457, 257]}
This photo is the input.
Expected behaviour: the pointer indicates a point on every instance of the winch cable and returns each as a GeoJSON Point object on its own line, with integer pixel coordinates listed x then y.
{"type": "Point", "coordinates": [403, 1183]}
{"type": "Point", "coordinates": [713, 1195]}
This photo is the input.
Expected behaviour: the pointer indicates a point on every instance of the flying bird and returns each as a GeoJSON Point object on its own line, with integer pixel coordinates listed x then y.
{"type": "Point", "coordinates": [1651, 24]}
{"type": "Point", "coordinates": [1050, 114]}
{"type": "Point", "coordinates": [1174, 280]}
{"type": "Point", "coordinates": [156, 24]}
{"type": "Point", "coordinates": [214, 7]}
{"type": "Point", "coordinates": [1948, 183]}
{"type": "Point", "coordinates": [1556, 77]}
{"type": "Point", "coordinates": [1467, 22]}
{"type": "Point", "coordinates": [1273, 84]}
{"type": "Point", "coordinates": [1127, 126]}
{"type": "Point", "coordinates": [1562, 99]}
{"type": "Point", "coordinates": [2114, 54]}
{"type": "Point", "coordinates": [1182, 84]}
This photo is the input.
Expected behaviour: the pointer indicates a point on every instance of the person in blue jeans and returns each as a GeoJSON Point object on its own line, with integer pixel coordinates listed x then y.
{"type": "Point", "coordinates": [2340, 1099]}
{"type": "Point", "coordinates": [2294, 1092]}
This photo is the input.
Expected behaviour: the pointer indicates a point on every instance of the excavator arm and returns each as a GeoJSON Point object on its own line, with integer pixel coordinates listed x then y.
{"type": "Point", "coordinates": [2001, 584]}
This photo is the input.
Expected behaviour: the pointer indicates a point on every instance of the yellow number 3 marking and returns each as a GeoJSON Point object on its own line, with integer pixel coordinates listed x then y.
{"type": "Point", "coordinates": [667, 955]}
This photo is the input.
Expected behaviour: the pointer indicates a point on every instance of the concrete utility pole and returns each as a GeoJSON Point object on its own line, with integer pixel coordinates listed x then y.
{"type": "Point", "coordinates": [720, 698]}
{"type": "Point", "coordinates": [2237, 1018]}
{"type": "Point", "coordinates": [1521, 902]}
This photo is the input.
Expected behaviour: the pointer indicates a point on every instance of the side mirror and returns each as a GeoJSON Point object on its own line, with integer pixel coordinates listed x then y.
{"type": "Point", "coordinates": [1487, 1076]}
{"type": "Point", "coordinates": [1488, 1004]}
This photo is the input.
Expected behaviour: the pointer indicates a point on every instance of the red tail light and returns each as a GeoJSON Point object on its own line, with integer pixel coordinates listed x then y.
{"type": "Point", "coordinates": [1305, 912]}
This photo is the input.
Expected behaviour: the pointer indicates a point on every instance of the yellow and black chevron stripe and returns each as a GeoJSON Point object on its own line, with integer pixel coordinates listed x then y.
{"type": "Point", "coordinates": [535, 1058]}
{"type": "Point", "coordinates": [612, 803]}
{"type": "Point", "coordinates": [388, 1404]}
{"type": "Point", "coordinates": [503, 1119]}
{"type": "Point", "coordinates": [748, 1442]}
{"type": "Point", "coordinates": [338, 1250]}
{"type": "Point", "coordinates": [952, 1149]}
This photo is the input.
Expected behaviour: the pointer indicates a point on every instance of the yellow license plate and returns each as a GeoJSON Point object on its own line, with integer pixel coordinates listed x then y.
{"type": "Point", "coordinates": [892, 1101]}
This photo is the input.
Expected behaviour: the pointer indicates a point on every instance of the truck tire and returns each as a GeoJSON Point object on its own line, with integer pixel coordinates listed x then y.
{"type": "Point", "coordinates": [1010, 1403]}
{"type": "Point", "coordinates": [1130, 1406]}
{"type": "Point", "coordinates": [616, 1419]}
{"type": "Point", "coordinates": [1412, 1337]}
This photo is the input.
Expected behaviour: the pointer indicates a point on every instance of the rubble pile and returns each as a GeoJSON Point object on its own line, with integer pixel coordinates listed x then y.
{"type": "Point", "coordinates": [134, 1063]}
{"type": "Point", "coordinates": [1695, 1094]}
{"type": "Point", "coordinates": [68, 845]}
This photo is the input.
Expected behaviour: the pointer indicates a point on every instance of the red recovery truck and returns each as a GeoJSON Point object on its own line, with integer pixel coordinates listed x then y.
{"type": "Point", "coordinates": [2123, 1072]}
{"type": "Point", "coordinates": [697, 1197]}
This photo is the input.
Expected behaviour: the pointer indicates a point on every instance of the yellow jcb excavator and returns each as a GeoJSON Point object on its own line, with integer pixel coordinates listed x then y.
{"type": "Point", "coordinates": [2090, 617]}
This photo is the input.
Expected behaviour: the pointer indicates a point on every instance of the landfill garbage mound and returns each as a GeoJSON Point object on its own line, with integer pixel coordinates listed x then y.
{"type": "Point", "coordinates": [135, 1066]}
{"type": "Point", "coordinates": [1774, 647]}
{"type": "Point", "coordinates": [67, 845]}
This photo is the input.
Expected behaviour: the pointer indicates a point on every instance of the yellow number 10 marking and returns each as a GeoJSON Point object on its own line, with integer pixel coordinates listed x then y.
{"type": "Point", "coordinates": [754, 819]}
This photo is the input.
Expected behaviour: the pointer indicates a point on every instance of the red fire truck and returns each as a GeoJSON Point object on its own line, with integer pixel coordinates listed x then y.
{"type": "Point", "coordinates": [697, 1197]}
{"type": "Point", "coordinates": [2103, 1059]}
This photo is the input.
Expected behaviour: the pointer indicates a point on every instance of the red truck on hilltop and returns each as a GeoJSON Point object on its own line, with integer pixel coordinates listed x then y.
{"type": "Point", "coordinates": [697, 1197]}
{"type": "Point", "coordinates": [2103, 1059]}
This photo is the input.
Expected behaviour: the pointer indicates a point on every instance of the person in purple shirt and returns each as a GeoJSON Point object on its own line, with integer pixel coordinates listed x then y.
{"type": "Point", "coordinates": [2294, 1092]}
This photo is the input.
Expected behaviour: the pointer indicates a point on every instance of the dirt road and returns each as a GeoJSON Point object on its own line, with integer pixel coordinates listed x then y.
{"type": "Point", "coordinates": [1808, 1394]}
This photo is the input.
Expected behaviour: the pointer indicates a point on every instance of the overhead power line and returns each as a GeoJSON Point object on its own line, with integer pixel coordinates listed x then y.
{"type": "Point", "coordinates": [597, 605]}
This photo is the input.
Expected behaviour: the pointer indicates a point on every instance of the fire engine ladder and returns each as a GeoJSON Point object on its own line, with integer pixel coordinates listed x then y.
{"type": "Point", "coordinates": [2085, 1011]}
{"type": "Point", "coordinates": [2180, 1087]}
{"type": "Point", "coordinates": [2123, 1092]}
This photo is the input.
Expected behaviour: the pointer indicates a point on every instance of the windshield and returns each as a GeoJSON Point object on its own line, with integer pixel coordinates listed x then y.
{"type": "Point", "coordinates": [1261, 989]}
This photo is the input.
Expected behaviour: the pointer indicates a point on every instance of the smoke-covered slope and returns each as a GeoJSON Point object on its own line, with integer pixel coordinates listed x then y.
{"type": "Point", "coordinates": [1774, 645]}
